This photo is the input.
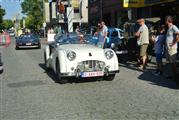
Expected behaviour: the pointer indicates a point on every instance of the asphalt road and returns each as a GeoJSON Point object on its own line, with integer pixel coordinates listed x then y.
{"type": "Point", "coordinates": [28, 92]}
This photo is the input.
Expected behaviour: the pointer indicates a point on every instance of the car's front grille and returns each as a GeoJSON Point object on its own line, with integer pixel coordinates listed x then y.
{"type": "Point", "coordinates": [91, 65]}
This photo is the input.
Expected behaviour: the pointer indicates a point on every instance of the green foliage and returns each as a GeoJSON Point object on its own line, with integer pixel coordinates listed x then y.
{"type": "Point", "coordinates": [7, 24]}
{"type": "Point", "coordinates": [2, 13]}
{"type": "Point", "coordinates": [33, 9]}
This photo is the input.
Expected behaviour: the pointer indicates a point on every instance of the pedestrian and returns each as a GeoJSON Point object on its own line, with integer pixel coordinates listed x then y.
{"type": "Point", "coordinates": [104, 33]}
{"type": "Point", "coordinates": [159, 41]}
{"type": "Point", "coordinates": [100, 42]}
{"type": "Point", "coordinates": [51, 31]}
{"type": "Point", "coordinates": [81, 39]}
{"type": "Point", "coordinates": [143, 41]}
{"type": "Point", "coordinates": [172, 37]}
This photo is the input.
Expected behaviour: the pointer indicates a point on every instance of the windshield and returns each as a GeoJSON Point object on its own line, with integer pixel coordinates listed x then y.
{"type": "Point", "coordinates": [27, 36]}
{"type": "Point", "coordinates": [78, 39]}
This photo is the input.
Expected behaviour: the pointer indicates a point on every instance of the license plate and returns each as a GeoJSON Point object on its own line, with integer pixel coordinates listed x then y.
{"type": "Point", "coordinates": [92, 74]}
{"type": "Point", "coordinates": [28, 44]}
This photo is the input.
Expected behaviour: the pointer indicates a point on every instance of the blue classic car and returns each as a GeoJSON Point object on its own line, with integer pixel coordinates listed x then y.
{"type": "Point", "coordinates": [116, 41]}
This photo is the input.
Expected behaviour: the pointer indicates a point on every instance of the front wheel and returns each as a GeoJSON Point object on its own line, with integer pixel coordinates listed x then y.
{"type": "Point", "coordinates": [39, 46]}
{"type": "Point", "coordinates": [110, 77]}
{"type": "Point", "coordinates": [1, 68]}
{"type": "Point", "coordinates": [17, 48]}
{"type": "Point", "coordinates": [59, 77]}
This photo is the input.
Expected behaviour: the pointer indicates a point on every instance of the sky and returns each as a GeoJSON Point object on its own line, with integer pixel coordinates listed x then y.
{"type": "Point", "coordinates": [12, 7]}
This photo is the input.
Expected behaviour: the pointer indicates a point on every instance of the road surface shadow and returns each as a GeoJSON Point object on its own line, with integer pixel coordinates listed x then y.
{"type": "Point", "coordinates": [52, 75]}
{"type": "Point", "coordinates": [26, 84]}
{"type": "Point", "coordinates": [148, 75]}
{"type": "Point", "coordinates": [158, 80]}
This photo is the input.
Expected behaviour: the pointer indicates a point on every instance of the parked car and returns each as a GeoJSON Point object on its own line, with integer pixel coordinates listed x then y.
{"type": "Point", "coordinates": [27, 41]}
{"type": "Point", "coordinates": [12, 34]}
{"type": "Point", "coordinates": [116, 41]}
{"type": "Point", "coordinates": [76, 56]}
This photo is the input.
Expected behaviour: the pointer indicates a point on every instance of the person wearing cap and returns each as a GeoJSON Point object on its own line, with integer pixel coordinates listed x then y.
{"type": "Point", "coordinates": [172, 37]}
{"type": "Point", "coordinates": [143, 41]}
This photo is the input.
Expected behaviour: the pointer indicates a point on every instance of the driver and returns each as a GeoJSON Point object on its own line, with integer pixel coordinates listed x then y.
{"type": "Point", "coordinates": [82, 39]}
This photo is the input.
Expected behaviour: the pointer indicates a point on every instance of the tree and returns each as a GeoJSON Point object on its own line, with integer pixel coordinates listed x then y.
{"type": "Point", "coordinates": [2, 13]}
{"type": "Point", "coordinates": [7, 24]}
{"type": "Point", "coordinates": [33, 9]}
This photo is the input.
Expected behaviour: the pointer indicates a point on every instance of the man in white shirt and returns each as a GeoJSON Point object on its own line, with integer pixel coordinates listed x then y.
{"type": "Point", "coordinates": [143, 41]}
{"type": "Point", "coordinates": [171, 44]}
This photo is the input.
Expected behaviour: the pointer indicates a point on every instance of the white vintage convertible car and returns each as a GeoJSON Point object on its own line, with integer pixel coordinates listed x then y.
{"type": "Point", "coordinates": [76, 56]}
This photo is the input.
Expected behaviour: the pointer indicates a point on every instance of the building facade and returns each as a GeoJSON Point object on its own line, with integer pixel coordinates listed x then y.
{"type": "Point", "coordinates": [112, 12]}
{"type": "Point", "coordinates": [76, 13]}
{"type": "Point", "coordinates": [153, 8]}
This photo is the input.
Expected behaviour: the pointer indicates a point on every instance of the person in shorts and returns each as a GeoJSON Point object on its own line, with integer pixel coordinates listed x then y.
{"type": "Point", "coordinates": [171, 44]}
{"type": "Point", "coordinates": [143, 41]}
{"type": "Point", "coordinates": [159, 41]}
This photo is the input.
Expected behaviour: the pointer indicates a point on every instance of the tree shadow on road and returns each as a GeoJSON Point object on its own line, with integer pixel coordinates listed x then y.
{"type": "Point", "coordinates": [27, 83]}
{"type": "Point", "coordinates": [52, 75]}
{"type": "Point", "coordinates": [147, 75]}
{"type": "Point", "coordinates": [157, 80]}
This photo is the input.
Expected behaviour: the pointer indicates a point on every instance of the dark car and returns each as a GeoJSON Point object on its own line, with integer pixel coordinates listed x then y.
{"type": "Point", "coordinates": [28, 41]}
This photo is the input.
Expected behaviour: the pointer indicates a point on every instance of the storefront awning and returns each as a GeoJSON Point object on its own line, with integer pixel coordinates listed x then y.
{"type": "Point", "coordinates": [154, 20]}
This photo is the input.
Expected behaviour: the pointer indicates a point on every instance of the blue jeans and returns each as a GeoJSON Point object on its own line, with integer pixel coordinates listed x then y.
{"type": "Point", "coordinates": [159, 57]}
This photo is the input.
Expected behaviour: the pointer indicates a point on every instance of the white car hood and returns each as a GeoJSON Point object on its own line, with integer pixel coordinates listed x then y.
{"type": "Point", "coordinates": [83, 51]}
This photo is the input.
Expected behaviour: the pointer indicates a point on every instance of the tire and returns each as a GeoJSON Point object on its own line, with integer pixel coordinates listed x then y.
{"type": "Point", "coordinates": [110, 77]}
{"type": "Point", "coordinates": [1, 69]}
{"type": "Point", "coordinates": [17, 48]}
{"type": "Point", "coordinates": [59, 78]}
{"type": "Point", "coordinates": [39, 47]}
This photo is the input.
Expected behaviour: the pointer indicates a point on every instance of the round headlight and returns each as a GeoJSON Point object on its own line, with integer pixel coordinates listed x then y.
{"type": "Point", "coordinates": [109, 54]}
{"type": "Point", "coordinates": [71, 55]}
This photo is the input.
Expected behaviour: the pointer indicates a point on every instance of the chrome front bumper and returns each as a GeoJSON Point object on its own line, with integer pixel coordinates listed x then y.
{"type": "Point", "coordinates": [90, 66]}
{"type": "Point", "coordinates": [77, 73]}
